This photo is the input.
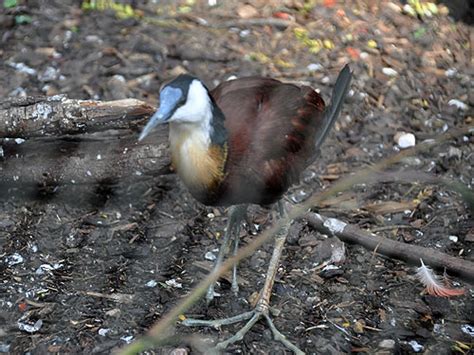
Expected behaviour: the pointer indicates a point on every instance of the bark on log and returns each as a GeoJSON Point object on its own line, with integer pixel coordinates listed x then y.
{"type": "Point", "coordinates": [391, 248]}
{"type": "Point", "coordinates": [74, 142]}
{"type": "Point", "coordinates": [58, 115]}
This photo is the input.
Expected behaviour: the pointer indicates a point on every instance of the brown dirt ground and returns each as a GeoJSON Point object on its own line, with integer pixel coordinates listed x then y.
{"type": "Point", "coordinates": [82, 263]}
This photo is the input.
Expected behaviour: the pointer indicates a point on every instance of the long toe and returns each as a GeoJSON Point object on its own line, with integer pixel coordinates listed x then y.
{"type": "Point", "coordinates": [251, 317]}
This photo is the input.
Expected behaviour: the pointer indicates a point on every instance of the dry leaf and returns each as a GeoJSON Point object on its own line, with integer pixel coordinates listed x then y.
{"type": "Point", "coordinates": [390, 207]}
{"type": "Point", "coordinates": [247, 11]}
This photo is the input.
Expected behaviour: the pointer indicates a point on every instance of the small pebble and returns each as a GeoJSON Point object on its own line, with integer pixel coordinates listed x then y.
{"type": "Point", "coordinates": [43, 268]}
{"type": "Point", "coordinates": [415, 346]}
{"type": "Point", "coordinates": [179, 351]}
{"type": "Point", "coordinates": [103, 331]}
{"type": "Point", "coordinates": [314, 67]}
{"type": "Point", "coordinates": [468, 329]}
{"type": "Point", "coordinates": [30, 328]}
{"type": "Point", "coordinates": [454, 152]}
{"type": "Point", "coordinates": [4, 348]}
{"type": "Point", "coordinates": [453, 238]}
{"type": "Point", "coordinates": [113, 312]}
{"type": "Point", "coordinates": [128, 339]}
{"type": "Point", "coordinates": [405, 140]}
{"type": "Point", "coordinates": [299, 196]}
{"type": "Point", "coordinates": [389, 71]}
{"type": "Point", "coordinates": [174, 283]}
{"type": "Point", "coordinates": [22, 68]}
{"type": "Point", "coordinates": [387, 344]}
{"type": "Point", "coordinates": [14, 259]}
{"type": "Point", "coordinates": [244, 33]}
{"type": "Point", "coordinates": [210, 256]}
{"type": "Point", "coordinates": [450, 72]}
{"type": "Point", "coordinates": [458, 103]}
{"type": "Point", "coordinates": [151, 283]}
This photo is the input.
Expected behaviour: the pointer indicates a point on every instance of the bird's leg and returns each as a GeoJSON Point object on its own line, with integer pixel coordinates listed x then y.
{"type": "Point", "coordinates": [236, 215]}
{"type": "Point", "coordinates": [262, 307]}
{"type": "Point", "coordinates": [235, 284]}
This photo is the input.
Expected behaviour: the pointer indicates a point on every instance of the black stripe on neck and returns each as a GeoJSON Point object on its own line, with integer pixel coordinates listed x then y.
{"type": "Point", "coordinates": [219, 132]}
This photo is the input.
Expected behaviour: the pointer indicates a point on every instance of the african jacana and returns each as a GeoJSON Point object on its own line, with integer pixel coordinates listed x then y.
{"type": "Point", "coordinates": [247, 141]}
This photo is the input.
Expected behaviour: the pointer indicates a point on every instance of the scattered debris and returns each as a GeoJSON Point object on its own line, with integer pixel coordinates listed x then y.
{"type": "Point", "coordinates": [103, 331]}
{"type": "Point", "coordinates": [174, 283]}
{"type": "Point", "coordinates": [30, 328]}
{"type": "Point", "coordinates": [387, 344]}
{"type": "Point", "coordinates": [47, 268]}
{"type": "Point", "coordinates": [450, 72]}
{"type": "Point", "coordinates": [415, 346]}
{"type": "Point", "coordinates": [4, 347]}
{"type": "Point", "coordinates": [458, 103]}
{"type": "Point", "coordinates": [151, 283]}
{"type": "Point", "coordinates": [22, 68]}
{"type": "Point", "coordinates": [127, 338]}
{"type": "Point", "coordinates": [468, 329]}
{"type": "Point", "coordinates": [14, 259]}
{"type": "Point", "coordinates": [210, 256]}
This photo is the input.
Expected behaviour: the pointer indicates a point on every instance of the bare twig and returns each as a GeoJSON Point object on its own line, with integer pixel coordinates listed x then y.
{"type": "Point", "coordinates": [275, 22]}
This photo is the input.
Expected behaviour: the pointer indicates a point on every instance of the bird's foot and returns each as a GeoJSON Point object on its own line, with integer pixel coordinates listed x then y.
{"type": "Point", "coordinates": [260, 311]}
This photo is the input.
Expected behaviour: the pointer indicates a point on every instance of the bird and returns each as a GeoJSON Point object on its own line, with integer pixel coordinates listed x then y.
{"type": "Point", "coordinates": [245, 142]}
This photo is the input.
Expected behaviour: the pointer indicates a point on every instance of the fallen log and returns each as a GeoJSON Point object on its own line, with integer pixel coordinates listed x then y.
{"type": "Point", "coordinates": [53, 142]}
{"type": "Point", "coordinates": [57, 115]}
{"type": "Point", "coordinates": [407, 252]}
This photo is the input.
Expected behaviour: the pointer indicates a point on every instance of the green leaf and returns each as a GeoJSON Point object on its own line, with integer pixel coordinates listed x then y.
{"type": "Point", "coordinates": [23, 19]}
{"type": "Point", "coordinates": [420, 32]}
{"type": "Point", "coordinates": [9, 3]}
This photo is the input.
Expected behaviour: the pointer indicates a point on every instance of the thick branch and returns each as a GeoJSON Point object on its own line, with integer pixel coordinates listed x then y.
{"type": "Point", "coordinates": [83, 159]}
{"type": "Point", "coordinates": [58, 115]}
{"type": "Point", "coordinates": [407, 252]}
{"type": "Point", "coordinates": [74, 142]}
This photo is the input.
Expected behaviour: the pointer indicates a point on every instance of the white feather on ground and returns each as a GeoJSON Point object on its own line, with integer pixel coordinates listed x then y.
{"type": "Point", "coordinates": [433, 285]}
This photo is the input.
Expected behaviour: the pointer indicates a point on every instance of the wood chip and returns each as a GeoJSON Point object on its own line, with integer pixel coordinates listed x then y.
{"type": "Point", "coordinates": [390, 207]}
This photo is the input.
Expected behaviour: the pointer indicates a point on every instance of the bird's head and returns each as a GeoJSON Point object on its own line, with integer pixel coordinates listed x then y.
{"type": "Point", "coordinates": [185, 99]}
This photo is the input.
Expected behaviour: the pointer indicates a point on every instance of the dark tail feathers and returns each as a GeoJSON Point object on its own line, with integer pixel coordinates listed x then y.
{"type": "Point", "coordinates": [332, 111]}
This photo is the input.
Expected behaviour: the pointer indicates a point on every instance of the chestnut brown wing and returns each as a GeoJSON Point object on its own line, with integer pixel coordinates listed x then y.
{"type": "Point", "coordinates": [271, 128]}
